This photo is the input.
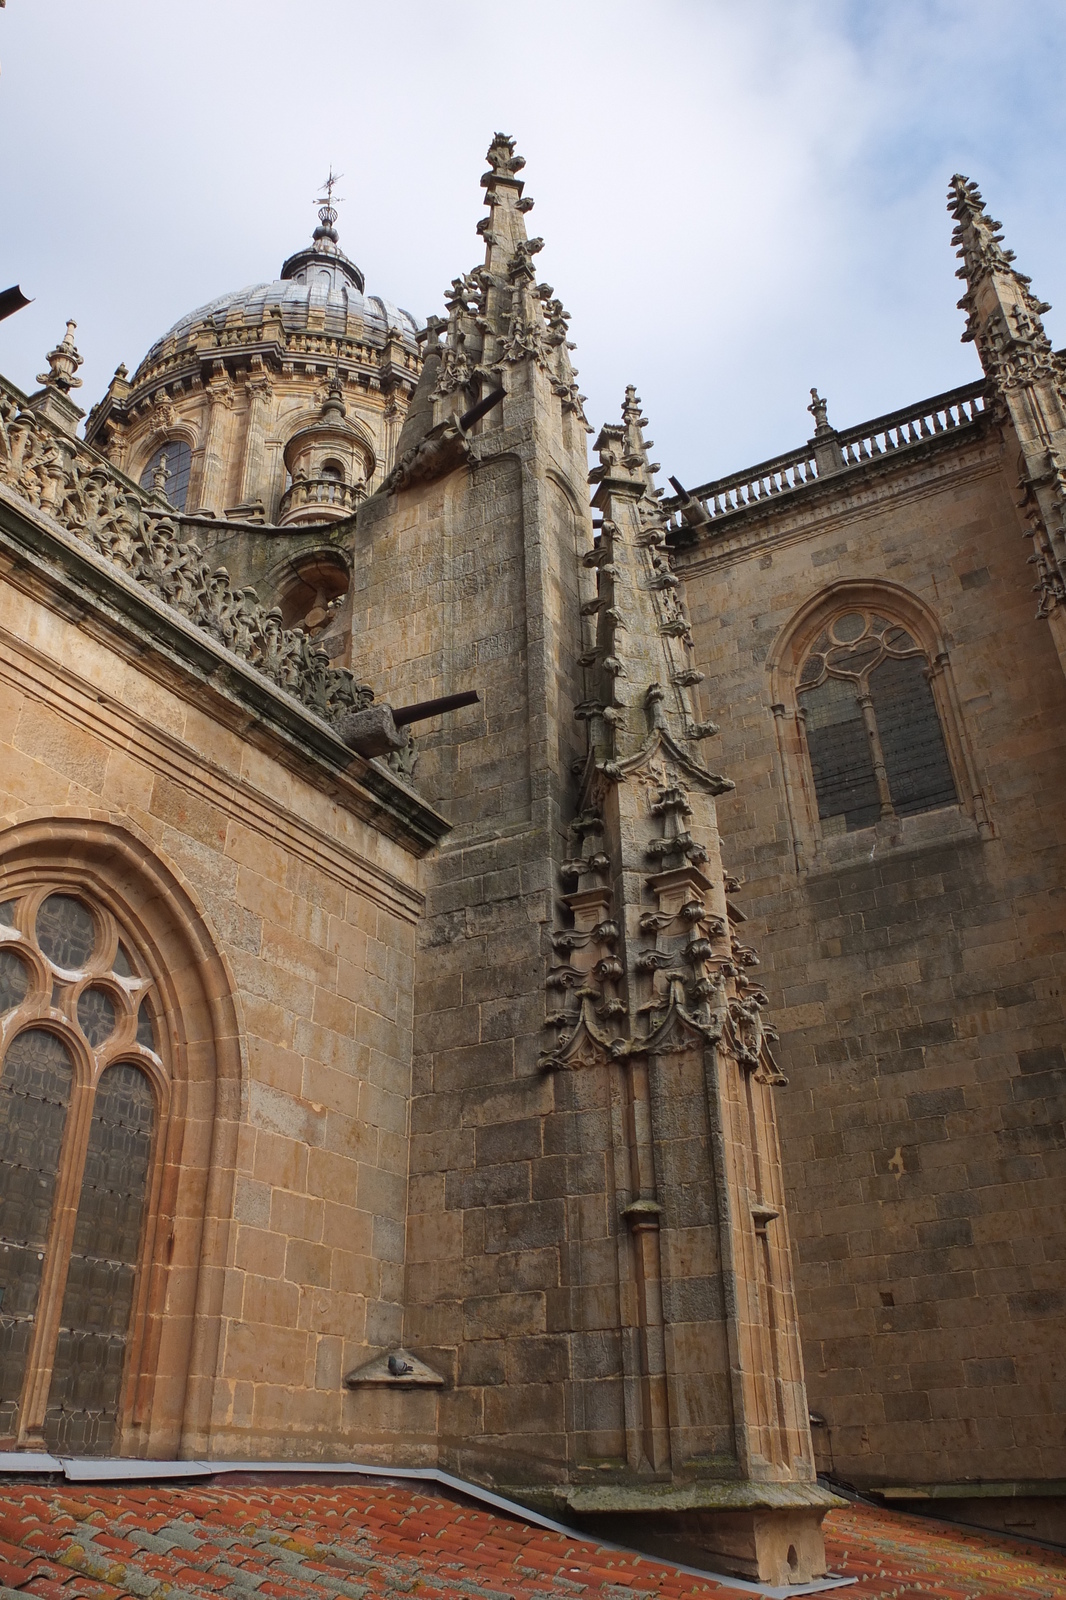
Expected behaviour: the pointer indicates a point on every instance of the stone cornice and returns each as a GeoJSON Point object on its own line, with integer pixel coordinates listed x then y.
{"type": "Point", "coordinates": [188, 367]}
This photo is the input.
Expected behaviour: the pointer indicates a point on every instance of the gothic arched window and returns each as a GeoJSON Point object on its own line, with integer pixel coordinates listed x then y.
{"type": "Point", "coordinates": [873, 733]}
{"type": "Point", "coordinates": [80, 1075]}
{"type": "Point", "coordinates": [169, 470]}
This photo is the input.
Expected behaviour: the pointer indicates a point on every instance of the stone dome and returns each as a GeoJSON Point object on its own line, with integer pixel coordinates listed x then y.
{"type": "Point", "coordinates": [312, 279]}
{"type": "Point", "coordinates": [280, 402]}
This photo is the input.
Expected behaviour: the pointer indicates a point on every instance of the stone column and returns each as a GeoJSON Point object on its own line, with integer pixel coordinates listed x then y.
{"type": "Point", "coordinates": [252, 491]}
{"type": "Point", "coordinates": [221, 398]}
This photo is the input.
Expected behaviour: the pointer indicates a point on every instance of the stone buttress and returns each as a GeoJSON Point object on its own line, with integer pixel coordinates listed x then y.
{"type": "Point", "coordinates": [597, 1261]}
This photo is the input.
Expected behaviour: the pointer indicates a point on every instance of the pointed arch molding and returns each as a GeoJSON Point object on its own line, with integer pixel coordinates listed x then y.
{"type": "Point", "coordinates": [969, 818]}
{"type": "Point", "coordinates": [168, 1386]}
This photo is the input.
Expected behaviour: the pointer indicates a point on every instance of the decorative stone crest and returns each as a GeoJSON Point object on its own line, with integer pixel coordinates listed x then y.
{"type": "Point", "coordinates": [663, 972]}
{"type": "Point", "coordinates": [1010, 336]}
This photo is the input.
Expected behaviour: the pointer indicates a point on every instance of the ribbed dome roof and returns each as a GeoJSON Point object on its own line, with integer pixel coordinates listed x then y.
{"type": "Point", "coordinates": [320, 275]}
{"type": "Point", "coordinates": [347, 312]}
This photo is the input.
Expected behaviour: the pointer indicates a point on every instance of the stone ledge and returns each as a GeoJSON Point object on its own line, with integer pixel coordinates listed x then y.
{"type": "Point", "coordinates": [743, 1496]}
{"type": "Point", "coordinates": [394, 1369]}
{"type": "Point", "coordinates": [1012, 1489]}
{"type": "Point", "coordinates": [929, 830]}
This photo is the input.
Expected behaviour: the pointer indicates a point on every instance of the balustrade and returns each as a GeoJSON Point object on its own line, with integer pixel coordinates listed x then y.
{"type": "Point", "coordinates": [943, 414]}
{"type": "Point", "coordinates": [897, 430]}
{"type": "Point", "coordinates": [310, 498]}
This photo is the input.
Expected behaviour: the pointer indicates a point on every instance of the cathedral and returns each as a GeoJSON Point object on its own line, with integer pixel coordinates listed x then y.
{"type": "Point", "coordinates": [522, 970]}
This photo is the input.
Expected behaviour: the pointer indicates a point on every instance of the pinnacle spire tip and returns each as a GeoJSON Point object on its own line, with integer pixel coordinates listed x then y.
{"type": "Point", "coordinates": [501, 157]}
{"type": "Point", "coordinates": [63, 363]}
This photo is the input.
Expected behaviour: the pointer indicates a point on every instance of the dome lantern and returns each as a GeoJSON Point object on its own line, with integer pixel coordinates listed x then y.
{"type": "Point", "coordinates": [324, 262]}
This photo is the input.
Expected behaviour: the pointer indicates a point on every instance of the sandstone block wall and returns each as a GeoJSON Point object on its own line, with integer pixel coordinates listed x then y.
{"type": "Point", "coordinates": [297, 1117]}
{"type": "Point", "coordinates": [471, 582]}
{"type": "Point", "coordinates": [918, 989]}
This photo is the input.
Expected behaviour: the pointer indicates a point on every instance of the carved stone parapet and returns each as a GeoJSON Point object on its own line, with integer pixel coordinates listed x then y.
{"type": "Point", "coordinates": [64, 479]}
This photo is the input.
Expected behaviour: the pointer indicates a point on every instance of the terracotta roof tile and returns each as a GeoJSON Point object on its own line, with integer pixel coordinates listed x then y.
{"type": "Point", "coordinates": [359, 1541]}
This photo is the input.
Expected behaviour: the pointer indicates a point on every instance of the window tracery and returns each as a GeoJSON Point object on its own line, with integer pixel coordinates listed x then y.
{"type": "Point", "coordinates": [870, 727]}
{"type": "Point", "coordinates": [874, 737]}
{"type": "Point", "coordinates": [80, 1100]}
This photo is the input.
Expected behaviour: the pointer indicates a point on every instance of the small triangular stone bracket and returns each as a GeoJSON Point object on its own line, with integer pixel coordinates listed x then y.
{"type": "Point", "coordinates": [394, 1369]}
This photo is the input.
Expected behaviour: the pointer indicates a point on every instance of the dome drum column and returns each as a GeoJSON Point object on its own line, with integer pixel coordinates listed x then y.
{"type": "Point", "coordinates": [221, 398]}
{"type": "Point", "coordinates": [260, 392]}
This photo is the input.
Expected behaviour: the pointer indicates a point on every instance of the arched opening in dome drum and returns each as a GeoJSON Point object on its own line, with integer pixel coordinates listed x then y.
{"type": "Point", "coordinates": [311, 589]}
{"type": "Point", "coordinates": [168, 470]}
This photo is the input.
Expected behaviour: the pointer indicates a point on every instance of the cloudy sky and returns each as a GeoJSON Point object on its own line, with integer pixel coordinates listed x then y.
{"type": "Point", "coordinates": [739, 198]}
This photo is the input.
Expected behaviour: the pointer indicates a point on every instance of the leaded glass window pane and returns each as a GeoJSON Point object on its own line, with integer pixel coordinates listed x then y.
{"type": "Point", "coordinates": [65, 932]}
{"type": "Point", "coordinates": [96, 1013]}
{"type": "Point", "coordinates": [916, 762]}
{"type": "Point", "coordinates": [35, 1090]}
{"type": "Point", "coordinates": [849, 628]}
{"type": "Point", "coordinates": [96, 1251]}
{"type": "Point", "coordinates": [854, 659]}
{"type": "Point", "coordinates": [863, 656]}
{"type": "Point", "coordinates": [94, 1323]}
{"type": "Point", "coordinates": [839, 746]}
{"type": "Point", "coordinates": [178, 466]}
{"type": "Point", "coordinates": [145, 1027]}
{"type": "Point", "coordinates": [14, 980]}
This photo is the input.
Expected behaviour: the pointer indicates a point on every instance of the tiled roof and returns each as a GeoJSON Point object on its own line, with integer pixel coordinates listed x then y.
{"type": "Point", "coordinates": [358, 1541]}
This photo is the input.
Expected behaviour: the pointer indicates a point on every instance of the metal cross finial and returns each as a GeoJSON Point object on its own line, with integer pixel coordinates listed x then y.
{"type": "Point", "coordinates": [327, 203]}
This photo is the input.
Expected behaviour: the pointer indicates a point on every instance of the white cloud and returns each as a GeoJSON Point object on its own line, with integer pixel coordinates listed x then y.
{"type": "Point", "coordinates": [738, 201]}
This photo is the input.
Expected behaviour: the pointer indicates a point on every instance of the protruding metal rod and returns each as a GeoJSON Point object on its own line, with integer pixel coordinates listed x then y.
{"type": "Point", "coordinates": [11, 300]}
{"type": "Point", "coordinates": [482, 408]}
{"type": "Point", "coordinates": [677, 488]}
{"type": "Point", "coordinates": [402, 715]}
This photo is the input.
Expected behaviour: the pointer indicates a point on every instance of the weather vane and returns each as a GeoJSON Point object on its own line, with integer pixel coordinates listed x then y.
{"type": "Point", "coordinates": [327, 203]}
